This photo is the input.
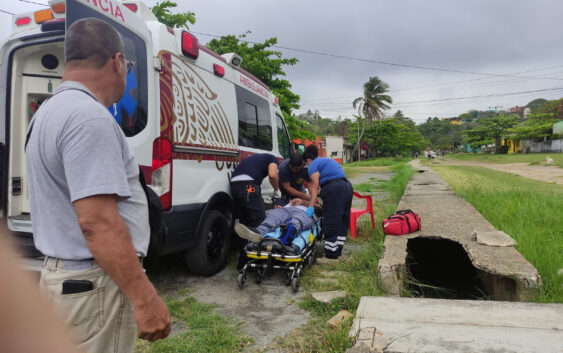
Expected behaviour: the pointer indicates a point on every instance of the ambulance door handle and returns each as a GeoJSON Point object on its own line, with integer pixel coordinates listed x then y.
{"type": "Point", "coordinates": [157, 63]}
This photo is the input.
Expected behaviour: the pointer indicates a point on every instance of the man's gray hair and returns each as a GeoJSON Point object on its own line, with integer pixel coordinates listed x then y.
{"type": "Point", "coordinates": [92, 40]}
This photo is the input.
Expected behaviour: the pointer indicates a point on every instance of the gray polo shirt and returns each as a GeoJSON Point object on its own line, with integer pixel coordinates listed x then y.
{"type": "Point", "coordinates": [76, 150]}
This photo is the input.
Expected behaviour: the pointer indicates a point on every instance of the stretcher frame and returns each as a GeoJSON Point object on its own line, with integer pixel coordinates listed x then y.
{"type": "Point", "coordinates": [265, 262]}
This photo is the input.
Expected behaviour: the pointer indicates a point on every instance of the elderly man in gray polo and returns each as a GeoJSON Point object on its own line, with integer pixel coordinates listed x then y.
{"type": "Point", "coordinates": [89, 211]}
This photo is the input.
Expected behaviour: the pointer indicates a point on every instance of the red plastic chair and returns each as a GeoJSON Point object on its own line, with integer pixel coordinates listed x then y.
{"type": "Point", "coordinates": [355, 213]}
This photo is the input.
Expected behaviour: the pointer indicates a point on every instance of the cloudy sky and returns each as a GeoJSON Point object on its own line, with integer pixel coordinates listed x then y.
{"type": "Point", "coordinates": [440, 58]}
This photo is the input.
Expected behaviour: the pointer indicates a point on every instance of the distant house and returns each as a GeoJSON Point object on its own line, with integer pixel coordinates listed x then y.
{"type": "Point", "coordinates": [454, 121]}
{"type": "Point", "coordinates": [335, 148]}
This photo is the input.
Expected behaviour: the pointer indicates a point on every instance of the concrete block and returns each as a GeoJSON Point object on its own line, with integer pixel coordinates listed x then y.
{"type": "Point", "coordinates": [462, 326]}
{"type": "Point", "coordinates": [371, 338]}
{"type": "Point", "coordinates": [338, 318]}
{"type": "Point", "coordinates": [493, 238]}
{"type": "Point", "coordinates": [327, 297]}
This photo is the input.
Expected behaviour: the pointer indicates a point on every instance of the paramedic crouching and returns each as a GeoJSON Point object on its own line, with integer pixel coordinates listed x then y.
{"type": "Point", "coordinates": [90, 213]}
{"type": "Point", "coordinates": [336, 193]}
{"type": "Point", "coordinates": [245, 187]}
{"type": "Point", "coordinates": [292, 177]}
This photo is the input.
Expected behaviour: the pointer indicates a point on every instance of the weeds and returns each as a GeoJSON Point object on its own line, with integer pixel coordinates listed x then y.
{"type": "Point", "coordinates": [199, 326]}
{"type": "Point", "coordinates": [359, 277]}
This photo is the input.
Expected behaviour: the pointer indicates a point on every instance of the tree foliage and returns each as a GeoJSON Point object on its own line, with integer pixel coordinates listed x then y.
{"type": "Point", "coordinates": [264, 63]}
{"type": "Point", "coordinates": [492, 130]}
{"type": "Point", "coordinates": [178, 20]}
{"type": "Point", "coordinates": [537, 126]}
{"type": "Point", "coordinates": [392, 136]}
{"type": "Point", "coordinates": [441, 134]}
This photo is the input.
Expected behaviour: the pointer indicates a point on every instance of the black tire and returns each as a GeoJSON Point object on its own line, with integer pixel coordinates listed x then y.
{"type": "Point", "coordinates": [241, 278]}
{"type": "Point", "coordinates": [209, 253]}
{"type": "Point", "coordinates": [312, 259]}
{"type": "Point", "coordinates": [295, 284]}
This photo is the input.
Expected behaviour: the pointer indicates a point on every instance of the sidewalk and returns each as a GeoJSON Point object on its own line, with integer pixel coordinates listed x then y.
{"type": "Point", "coordinates": [447, 216]}
{"type": "Point", "coordinates": [395, 324]}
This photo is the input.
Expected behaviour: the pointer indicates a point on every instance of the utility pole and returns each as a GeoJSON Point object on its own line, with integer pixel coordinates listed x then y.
{"type": "Point", "coordinates": [359, 151]}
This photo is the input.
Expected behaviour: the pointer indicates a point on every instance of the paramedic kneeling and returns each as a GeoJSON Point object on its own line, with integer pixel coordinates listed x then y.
{"type": "Point", "coordinates": [336, 193]}
{"type": "Point", "coordinates": [292, 177]}
{"type": "Point", "coordinates": [245, 187]}
{"type": "Point", "coordinates": [90, 213]}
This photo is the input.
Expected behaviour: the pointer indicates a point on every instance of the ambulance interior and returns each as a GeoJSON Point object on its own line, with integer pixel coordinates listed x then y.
{"type": "Point", "coordinates": [36, 72]}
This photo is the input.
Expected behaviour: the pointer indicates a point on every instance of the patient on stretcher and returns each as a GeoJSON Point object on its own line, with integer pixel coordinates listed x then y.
{"type": "Point", "coordinates": [289, 225]}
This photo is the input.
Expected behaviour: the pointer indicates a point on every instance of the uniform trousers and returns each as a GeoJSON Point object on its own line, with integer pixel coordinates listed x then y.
{"type": "Point", "coordinates": [337, 201]}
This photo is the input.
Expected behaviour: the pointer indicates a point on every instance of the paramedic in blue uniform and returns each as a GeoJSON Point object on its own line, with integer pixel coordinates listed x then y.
{"type": "Point", "coordinates": [336, 193]}
{"type": "Point", "coordinates": [245, 187]}
{"type": "Point", "coordinates": [293, 176]}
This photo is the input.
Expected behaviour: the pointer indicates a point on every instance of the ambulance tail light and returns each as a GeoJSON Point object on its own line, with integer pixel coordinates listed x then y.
{"type": "Point", "coordinates": [190, 47]}
{"type": "Point", "coordinates": [161, 180]}
{"type": "Point", "coordinates": [22, 21]}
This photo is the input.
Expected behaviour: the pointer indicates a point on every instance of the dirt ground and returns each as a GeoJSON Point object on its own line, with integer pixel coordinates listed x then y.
{"type": "Point", "coordinates": [549, 174]}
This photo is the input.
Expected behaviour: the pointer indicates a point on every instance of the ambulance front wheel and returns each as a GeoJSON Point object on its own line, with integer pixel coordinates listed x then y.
{"type": "Point", "coordinates": [209, 253]}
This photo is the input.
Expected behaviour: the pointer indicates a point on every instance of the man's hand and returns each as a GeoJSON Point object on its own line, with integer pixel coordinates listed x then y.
{"type": "Point", "coordinates": [153, 319]}
{"type": "Point", "coordinates": [296, 202]}
{"type": "Point", "coordinates": [277, 194]}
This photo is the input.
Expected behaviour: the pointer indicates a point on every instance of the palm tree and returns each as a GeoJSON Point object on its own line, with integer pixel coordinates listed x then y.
{"type": "Point", "coordinates": [374, 101]}
{"type": "Point", "coordinates": [372, 104]}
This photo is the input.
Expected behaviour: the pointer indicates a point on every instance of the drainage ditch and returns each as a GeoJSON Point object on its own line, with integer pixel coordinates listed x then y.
{"type": "Point", "coordinates": [440, 268]}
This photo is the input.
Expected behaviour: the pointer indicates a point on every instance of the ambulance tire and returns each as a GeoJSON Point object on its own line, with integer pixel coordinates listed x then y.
{"type": "Point", "coordinates": [209, 253]}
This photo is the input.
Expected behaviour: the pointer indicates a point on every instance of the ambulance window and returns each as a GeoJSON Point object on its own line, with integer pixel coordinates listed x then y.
{"type": "Point", "coordinates": [255, 123]}
{"type": "Point", "coordinates": [284, 145]}
{"type": "Point", "coordinates": [131, 111]}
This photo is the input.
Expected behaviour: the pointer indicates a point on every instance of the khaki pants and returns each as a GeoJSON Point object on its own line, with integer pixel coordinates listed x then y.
{"type": "Point", "coordinates": [100, 320]}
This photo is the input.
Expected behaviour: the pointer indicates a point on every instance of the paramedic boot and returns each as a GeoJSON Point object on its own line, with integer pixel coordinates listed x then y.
{"type": "Point", "coordinates": [247, 233]}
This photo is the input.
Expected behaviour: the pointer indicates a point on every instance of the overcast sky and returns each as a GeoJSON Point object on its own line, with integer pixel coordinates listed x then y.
{"type": "Point", "coordinates": [518, 43]}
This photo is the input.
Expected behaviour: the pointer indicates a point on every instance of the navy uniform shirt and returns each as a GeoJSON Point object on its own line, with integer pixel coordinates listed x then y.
{"type": "Point", "coordinates": [256, 166]}
{"type": "Point", "coordinates": [295, 180]}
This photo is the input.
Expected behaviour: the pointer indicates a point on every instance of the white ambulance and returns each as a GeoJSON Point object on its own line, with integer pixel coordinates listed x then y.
{"type": "Point", "coordinates": [190, 115]}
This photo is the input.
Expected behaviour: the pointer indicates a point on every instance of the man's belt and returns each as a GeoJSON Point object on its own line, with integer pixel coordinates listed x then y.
{"type": "Point", "coordinates": [75, 265]}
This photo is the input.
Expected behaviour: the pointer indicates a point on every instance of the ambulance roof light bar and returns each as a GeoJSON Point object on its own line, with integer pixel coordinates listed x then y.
{"type": "Point", "coordinates": [56, 10]}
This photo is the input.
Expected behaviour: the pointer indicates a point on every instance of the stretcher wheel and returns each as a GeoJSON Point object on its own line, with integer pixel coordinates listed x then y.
{"type": "Point", "coordinates": [311, 260]}
{"type": "Point", "coordinates": [287, 279]}
{"type": "Point", "coordinates": [241, 278]}
{"type": "Point", "coordinates": [295, 284]}
{"type": "Point", "coordinates": [258, 279]}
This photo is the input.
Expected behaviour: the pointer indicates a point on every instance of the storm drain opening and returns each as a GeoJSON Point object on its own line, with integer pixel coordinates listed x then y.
{"type": "Point", "coordinates": [440, 268]}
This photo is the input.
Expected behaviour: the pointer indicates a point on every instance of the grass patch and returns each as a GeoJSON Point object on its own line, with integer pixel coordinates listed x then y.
{"type": "Point", "coordinates": [200, 329]}
{"type": "Point", "coordinates": [527, 210]}
{"type": "Point", "coordinates": [379, 162]}
{"type": "Point", "coordinates": [532, 158]}
{"type": "Point", "coordinates": [360, 276]}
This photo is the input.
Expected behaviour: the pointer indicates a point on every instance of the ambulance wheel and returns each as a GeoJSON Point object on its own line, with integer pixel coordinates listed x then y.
{"type": "Point", "coordinates": [209, 253]}
{"type": "Point", "coordinates": [295, 284]}
{"type": "Point", "coordinates": [241, 278]}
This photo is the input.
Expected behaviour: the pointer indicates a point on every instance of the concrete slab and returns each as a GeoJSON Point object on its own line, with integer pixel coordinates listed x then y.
{"type": "Point", "coordinates": [504, 272]}
{"type": "Point", "coordinates": [496, 238]}
{"type": "Point", "coordinates": [464, 326]}
{"type": "Point", "coordinates": [327, 297]}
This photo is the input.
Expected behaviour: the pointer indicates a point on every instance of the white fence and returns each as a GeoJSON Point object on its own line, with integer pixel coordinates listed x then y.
{"type": "Point", "coordinates": [543, 146]}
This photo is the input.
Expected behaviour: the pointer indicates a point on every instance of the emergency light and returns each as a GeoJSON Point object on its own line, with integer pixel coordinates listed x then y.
{"type": "Point", "coordinates": [190, 47]}
{"type": "Point", "coordinates": [41, 16]}
{"type": "Point", "coordinates": [161, 179]}
{"type": "Point", "coordinates": [219, 70]}
{"type": "Point", "coordinates": [132, 7]}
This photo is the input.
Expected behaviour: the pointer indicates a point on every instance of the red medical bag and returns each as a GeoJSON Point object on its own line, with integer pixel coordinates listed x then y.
{"type": "Point", "coordinates": [401, 223]}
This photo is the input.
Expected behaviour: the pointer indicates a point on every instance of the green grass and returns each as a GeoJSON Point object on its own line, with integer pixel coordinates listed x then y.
{"type": "Point", "coordinates": [527, 210]}
{"type": "Point", "coordinates": [201, 330]}
{"type": "Point", "coordinates": [379, 162]}
{"type": "Point", "coordinates": [360, 279]}
{"type": "Point", "coordinates": [532, 158]}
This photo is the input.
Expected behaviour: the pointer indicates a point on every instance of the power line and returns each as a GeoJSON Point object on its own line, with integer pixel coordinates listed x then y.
{"type": "Point", "coordinates": [9, 13]}
{"type": "Point", "coordinates": [388, 63]}
{"type": "Point", "coordinates": [33, 2]}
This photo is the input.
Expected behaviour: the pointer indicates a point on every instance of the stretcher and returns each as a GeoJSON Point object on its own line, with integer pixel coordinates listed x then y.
{"type": "Point", "coordinates": [272, 254]}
